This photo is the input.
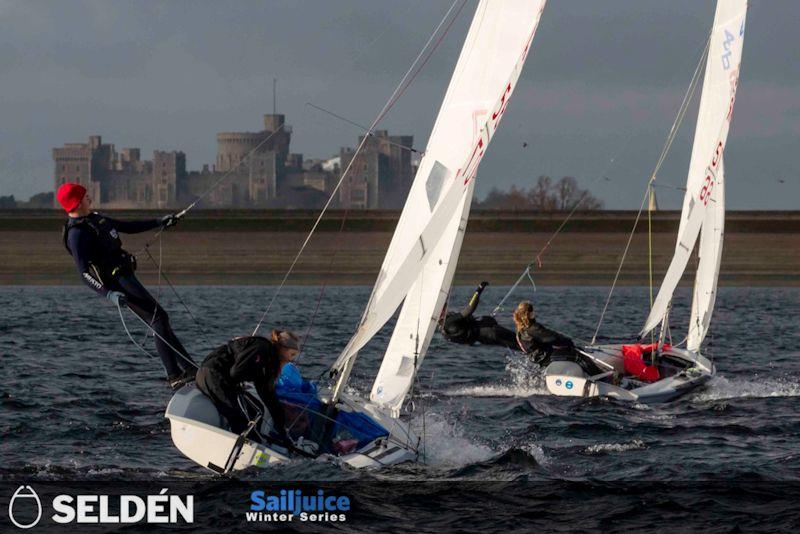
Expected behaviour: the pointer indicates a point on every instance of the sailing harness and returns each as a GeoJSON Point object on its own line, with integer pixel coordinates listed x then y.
{"type": "Point", "coordinates": [115, 260]}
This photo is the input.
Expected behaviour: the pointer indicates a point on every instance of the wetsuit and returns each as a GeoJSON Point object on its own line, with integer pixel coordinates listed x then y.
{"type": "Point", "coordinates": [543, 343]}
{"type": "Point", "coordinates": [462, 327]}
{"type": "Point", "coordinates": [247, 359]}
{"type": "Point", "coordinates": [94, 243]}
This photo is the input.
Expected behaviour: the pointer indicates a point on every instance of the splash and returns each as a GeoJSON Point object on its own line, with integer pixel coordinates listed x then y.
{"type": "Point", "coordinates": [525, 379]}
{"type": "Point", "coordinates": [446, 444]}
{"type": "Point", "coordinates": [536, 452]}
{"type": "Point", "coordinates": [604, 448]}
{"type": "Point", "coordinates": [720, 388]}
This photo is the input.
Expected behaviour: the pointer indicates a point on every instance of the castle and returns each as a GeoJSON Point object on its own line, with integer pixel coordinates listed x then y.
{"type": "Point", "coordinates": [252, 170]}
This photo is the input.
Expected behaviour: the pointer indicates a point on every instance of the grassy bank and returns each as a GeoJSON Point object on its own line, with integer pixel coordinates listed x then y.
{"type": "Point", "coordinates": [761, 248]}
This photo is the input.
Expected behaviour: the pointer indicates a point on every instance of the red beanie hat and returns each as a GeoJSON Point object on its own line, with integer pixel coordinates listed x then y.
{"type": "Point", "coordinates": [70, 195]}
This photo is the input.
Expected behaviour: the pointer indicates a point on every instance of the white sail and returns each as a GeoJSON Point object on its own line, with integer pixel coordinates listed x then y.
{"type": "Point", "coordinates": [480, 88]}
{"type": "Point", "coordinates": [419, 316]}
{"type": "Point", "coordinates": [711, 133]}
{"type": "Point", "coordinates": [710, 252]}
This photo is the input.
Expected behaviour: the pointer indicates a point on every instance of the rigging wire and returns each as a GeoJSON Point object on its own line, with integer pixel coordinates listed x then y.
{"type": "Point", "coordinates": [537, 262]}
{"type": "Point", "coordinates": [163, 275]}
{"type": "Point", "coordinates": [687, 97]}
{"type": "Point", "coordinates": [216, 184]}
{"type": "Point", "coordinates": [622, 261]}
{"type": "Point", "coordinates": [362, 127]}
{"type": "Point", "coordinates": [185, 357]}
{"type": "Point", "coordinates": [405, 82]}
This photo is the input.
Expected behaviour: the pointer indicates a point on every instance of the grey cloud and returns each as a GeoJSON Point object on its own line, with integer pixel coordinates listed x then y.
{"type": "Point", "coordinates": [170, 74]}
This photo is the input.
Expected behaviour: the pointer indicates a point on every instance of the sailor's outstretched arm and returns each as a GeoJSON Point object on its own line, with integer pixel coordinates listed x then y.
{"type": "Point", "coordinates": [134, 227]}
{"type": "Point", "coordinates": [473, 302]}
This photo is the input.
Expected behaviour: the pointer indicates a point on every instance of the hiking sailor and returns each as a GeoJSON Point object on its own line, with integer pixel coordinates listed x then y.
{"type": "Point", "coordinates": [93, 242]}
{"type": "Point", "coordinates": [462, 327]}
{"type": "Point", "coordinates": [253, 359]}
{"type": "Point", "coordinates": [538, 341]}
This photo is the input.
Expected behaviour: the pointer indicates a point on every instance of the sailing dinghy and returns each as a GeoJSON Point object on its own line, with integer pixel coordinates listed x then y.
{"type": "Point", "coordinates": [417, 271]}
{"type": "Point", "coordinates": [658, 372]}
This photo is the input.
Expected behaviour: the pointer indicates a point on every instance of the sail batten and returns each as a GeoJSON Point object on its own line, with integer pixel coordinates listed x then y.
{"type": "Point", "coordinates": [705, 176]}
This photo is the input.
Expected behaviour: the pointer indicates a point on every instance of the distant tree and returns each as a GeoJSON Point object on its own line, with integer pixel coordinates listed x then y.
{"type": "Point", "coordinates": [541, 196]}
{"type": "Point", "coordinates": [8, 202]}
{"type": "Point", "coordinates": [516, 199]}
{"type": "Point", "coordinates": [41, 200]}
{"type": "Point", "coordinates": [564, 195]}
{"type": "Point", "coordinates": [495, 200]}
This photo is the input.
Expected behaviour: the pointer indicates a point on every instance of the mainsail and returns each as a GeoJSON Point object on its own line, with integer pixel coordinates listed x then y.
{"type": "Point", "coordinates": [705, 168]}
{"type": "Point", "coordinates": [420, 261]}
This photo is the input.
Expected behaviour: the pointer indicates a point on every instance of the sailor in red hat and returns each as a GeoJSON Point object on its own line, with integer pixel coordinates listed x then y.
{"type": "Point", "coordinates": [94, 243]}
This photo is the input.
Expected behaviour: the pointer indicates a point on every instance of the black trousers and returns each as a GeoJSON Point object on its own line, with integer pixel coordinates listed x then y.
{"type": "Point", "coordinates": [173, 355]}
{"type": "Point", "coordinates": [488, 332]}
{"type": "Point", "coordinates": [225, 397]}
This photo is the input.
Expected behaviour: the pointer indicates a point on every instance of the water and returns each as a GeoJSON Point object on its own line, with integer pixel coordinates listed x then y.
{"type": "Point", "coordinates": [80, 402]}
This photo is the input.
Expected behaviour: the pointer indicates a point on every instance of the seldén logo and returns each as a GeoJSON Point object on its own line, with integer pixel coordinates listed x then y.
{"type": "Point", "coordinates": [24, 500]}
{"type": "Point", "coordinates": [25, 508]}
{"type": "Point", "coordinates": [288, 505]}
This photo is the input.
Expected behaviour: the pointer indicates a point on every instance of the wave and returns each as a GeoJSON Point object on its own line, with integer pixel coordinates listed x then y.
{"type": "Point", "coordinates": [446, 445]}
{"type": "Point", "coordinates": [604, 448]}
{"type": "Point", "coordinates": [721, 388]}
{"type": "Point", "coordinates": [525, 380]}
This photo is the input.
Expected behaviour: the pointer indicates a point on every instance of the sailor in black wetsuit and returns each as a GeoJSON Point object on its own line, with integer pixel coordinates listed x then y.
{"type": "Point", "coordinates": [462, 327]}
{"type": "Point", "coordinates": [93, 241]}
{"type": "Point", "coordinates": [248, 359]}
{"type": "Point", "coordinates": [538, 341]}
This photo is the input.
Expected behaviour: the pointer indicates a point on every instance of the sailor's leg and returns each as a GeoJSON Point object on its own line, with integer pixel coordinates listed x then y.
{"type": "Point", "coordinates": [224, 397]}
{"type": "Point", "coordinates": [506, 337]}
{"type": "Point", "coordinates": [491, 333]}
{"type": "Point", "coordinates": [141, 302]}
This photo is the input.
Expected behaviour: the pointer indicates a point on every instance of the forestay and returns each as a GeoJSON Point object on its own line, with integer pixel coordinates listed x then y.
{"type": "Point", "coordinates": [705, 168]}
{"type": "Point", "coordinates": [424, 249]}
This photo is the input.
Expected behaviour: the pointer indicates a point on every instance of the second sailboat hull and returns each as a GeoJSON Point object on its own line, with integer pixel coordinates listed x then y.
{"type": "Point", "coordinates": [681, 371]}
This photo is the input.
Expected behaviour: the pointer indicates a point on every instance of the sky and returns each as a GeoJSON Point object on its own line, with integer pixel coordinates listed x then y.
{"type": "Point", "coordinates": [597, 97]}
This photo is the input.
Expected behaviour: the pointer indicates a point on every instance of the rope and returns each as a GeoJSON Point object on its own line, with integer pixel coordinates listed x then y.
{"type": "Point", "coordinates": [214, 185]}
{"type": "Point", "coordinates": [537, 261]}
{"type": "Point", "coordinates": [687, 97]}
{"type": "Point", "coordinates": [362, 127]}
{"type": "Point", "coordinates": [156, 334]}
{"type": "Point", "coordinates": [163, 275]}
{"type": "Point", "coordinates": [650, 250]}
{"type": "Point", "coordinates": [619, 269]}
{"type": "Point", "coordinates": [409, 77]}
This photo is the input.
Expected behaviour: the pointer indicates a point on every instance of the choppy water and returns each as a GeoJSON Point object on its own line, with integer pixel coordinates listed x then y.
{"type": "Point", "coordinates": [78, 401]}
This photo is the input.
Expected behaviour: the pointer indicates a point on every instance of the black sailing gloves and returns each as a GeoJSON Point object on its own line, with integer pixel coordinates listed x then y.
{"type": "Point", "coordinates": [168, 221]}
{"type": "Point", "coordinates": [481, 287]}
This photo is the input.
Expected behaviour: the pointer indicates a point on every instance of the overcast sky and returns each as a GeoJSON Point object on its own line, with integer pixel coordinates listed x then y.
{"type": "Point", "coordinates": [603, 82]}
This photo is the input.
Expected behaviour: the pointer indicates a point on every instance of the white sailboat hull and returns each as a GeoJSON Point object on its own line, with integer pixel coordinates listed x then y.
{"type": "Point", "coordinates": [682, 372]}
{"type": "Point", "coordinates": [198, 431]}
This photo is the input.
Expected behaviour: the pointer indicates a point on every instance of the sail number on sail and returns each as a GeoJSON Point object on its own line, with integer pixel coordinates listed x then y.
{"type": "Point", "coordinates": [468, 170]}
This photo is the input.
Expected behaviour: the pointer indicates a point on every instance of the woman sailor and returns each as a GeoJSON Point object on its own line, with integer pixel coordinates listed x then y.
{"type": "Point", "coordinates": [536, 340]}
{"type": "Point", "coordinates": [253, 359]}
